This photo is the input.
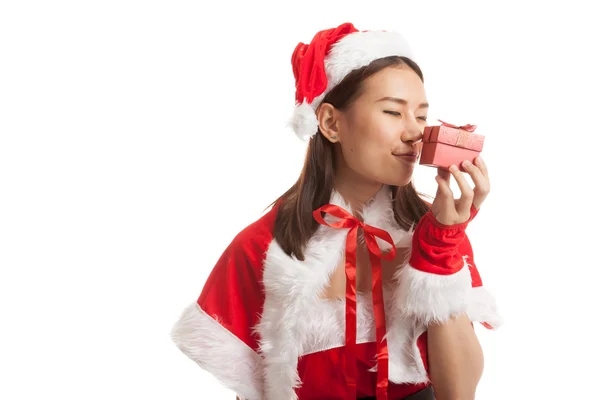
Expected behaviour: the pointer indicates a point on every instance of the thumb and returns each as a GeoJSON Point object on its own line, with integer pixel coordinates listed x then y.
{"type": "Point", "coordinates": [444, 194]}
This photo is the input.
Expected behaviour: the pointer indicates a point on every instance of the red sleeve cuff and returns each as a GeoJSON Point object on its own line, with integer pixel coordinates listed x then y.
{"type": "Point", "coordinates": [435, 245]}
{"type": "Point", "coordinates": [473, 212]}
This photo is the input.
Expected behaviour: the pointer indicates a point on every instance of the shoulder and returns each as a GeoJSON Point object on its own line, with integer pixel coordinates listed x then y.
{"type": "Point", "coordinates": [257, 235]}
{"type": "Point", "coordinates": [248, 247]}
{"type": "Point", "coordinates": [240, 266]}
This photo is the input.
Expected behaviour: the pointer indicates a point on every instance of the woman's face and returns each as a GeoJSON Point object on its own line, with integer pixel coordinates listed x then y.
{"type": "Point", "coordinates": [387, 119]}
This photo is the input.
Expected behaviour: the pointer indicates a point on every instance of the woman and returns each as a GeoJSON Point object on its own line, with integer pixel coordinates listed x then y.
{"type": "Point", "coordinates": [351, 286]}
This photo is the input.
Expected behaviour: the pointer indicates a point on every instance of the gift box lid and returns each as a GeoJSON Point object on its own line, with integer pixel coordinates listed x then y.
{"type": "Point", "coordinates": [458, 136]}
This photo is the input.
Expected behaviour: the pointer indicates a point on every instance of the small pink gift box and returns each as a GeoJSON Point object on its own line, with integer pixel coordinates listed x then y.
{"type": "Point", "coordinates": [448, 144]}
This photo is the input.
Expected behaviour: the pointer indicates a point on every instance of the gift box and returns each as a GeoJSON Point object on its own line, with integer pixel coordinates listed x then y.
{"type": "Point", "coordinates": [448, 144]}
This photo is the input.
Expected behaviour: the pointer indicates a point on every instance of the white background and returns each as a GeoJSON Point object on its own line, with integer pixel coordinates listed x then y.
{"type": "Point", "coordinates": [138, 137]}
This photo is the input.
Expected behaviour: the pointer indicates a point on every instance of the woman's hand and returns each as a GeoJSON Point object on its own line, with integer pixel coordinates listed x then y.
{"type": "Point", "coordinates": [449, 211]}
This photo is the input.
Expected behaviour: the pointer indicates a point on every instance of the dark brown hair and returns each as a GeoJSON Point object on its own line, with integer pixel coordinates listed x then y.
{"type": "Point", "coordinates": [294, 224]}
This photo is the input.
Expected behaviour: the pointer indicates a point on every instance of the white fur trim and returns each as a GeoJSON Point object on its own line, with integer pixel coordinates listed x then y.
{"type": "Point", "coordinates": [405, 361]}
{"type": "Point", "coordinates": [359, 49]}
{"type": "Point", "coordinates": [353, 51]}
{"type": "Point", "coordinates": [483, 308]}
{"type": "Point", "coordinates": [379, 212]}
{"type": "Point", "coordinates": [326, 328]}
{"type": "Point", "coordinates": [304, 121]}
{"type": "Point", "coordinates": [296, 321]}
{"type": "Point", "coordinates": [204, 340]}
{"type": "Point", "coordinates": [431, 297]}
{"type": "Point", "coordinates": [292, 288]}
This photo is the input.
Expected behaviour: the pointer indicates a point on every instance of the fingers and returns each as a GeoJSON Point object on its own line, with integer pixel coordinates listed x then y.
{"type": "Point", "coordinates": [460, 209]}
{"type": "Point", "coordinates": [482, 167]}
{"type": "Point", "coordinates": [442, 191]}
{"type": "Point", "coordinates": [480, 179]}
{"type": "Point", "coordinates": [445, 174]}
{"type": "Point", "coordinates": [463, 206]}
{"type": "Point", "coordinates": [476, 174]}
{"type": "Point", "coordinates": [444, 194]}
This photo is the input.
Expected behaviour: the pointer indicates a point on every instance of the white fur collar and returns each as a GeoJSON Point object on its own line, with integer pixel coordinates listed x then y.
{"type": "Point", "coordinates": [379, 212]}
{"type": "Point", "coordinates": [296, 321]}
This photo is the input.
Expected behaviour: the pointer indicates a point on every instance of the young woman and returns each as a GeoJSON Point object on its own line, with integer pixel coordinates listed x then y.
{"type": "Point", "coordinates": [351, 286]}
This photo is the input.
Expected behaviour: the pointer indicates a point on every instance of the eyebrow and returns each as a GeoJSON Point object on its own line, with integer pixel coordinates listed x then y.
{"type": "Point", "coordinates": [401, 101]}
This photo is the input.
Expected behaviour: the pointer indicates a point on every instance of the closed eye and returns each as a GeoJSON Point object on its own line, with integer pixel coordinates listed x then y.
{"type": "Point", "coordinates": [395, 113]}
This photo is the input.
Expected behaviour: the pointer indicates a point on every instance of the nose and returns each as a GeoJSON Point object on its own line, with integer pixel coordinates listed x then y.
{"type": "Point", "coordinates": [413, 132]}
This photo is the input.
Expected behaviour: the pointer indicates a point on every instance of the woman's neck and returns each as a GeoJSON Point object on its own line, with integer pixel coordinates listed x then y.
{"type": "Point", "coordinates": [356, 192]}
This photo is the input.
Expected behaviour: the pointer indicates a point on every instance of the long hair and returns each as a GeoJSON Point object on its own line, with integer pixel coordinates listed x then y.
{"type": "Point", "coordinates": [294, 223]}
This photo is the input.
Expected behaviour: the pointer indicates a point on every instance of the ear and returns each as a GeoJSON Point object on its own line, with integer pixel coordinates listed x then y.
{"type": "Point", "coordinates": [329, 122]}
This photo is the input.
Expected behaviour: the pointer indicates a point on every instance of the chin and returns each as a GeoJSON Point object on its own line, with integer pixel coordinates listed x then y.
{"type": "Point", "coordinates": [402, 180]}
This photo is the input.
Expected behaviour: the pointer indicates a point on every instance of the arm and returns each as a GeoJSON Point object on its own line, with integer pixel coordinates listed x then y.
{"type": "Point", "coordinates": [441, 288]}
{"type": "Point", "coordinates": [216, 330]}
{"type": "Point", "coordinates": [455, 359]}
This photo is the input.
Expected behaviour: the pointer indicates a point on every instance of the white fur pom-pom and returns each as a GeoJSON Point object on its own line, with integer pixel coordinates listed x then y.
{"type": "Point", "coordinates": [304, 121]}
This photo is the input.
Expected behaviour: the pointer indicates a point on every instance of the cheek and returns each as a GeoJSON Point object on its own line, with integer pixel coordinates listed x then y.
{"type": "Point", "coordinates": [383, 131]}
{"type": "Point", "coordinates": [366, 153]}
{"type": "Point", "coordinates": [368, 139]}
{"type": "Point", "coordinates": [374, 131]}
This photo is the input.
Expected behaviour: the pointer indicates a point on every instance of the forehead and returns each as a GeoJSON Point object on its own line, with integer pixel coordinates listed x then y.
{"type": "Point", "coordinates": [399, 81]}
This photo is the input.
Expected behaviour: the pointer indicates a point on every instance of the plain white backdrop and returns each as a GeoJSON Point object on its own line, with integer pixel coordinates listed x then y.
{"type": "Point", "coordinates": [138, 137]}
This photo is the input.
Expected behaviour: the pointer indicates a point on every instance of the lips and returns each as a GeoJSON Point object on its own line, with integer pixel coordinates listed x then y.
{"type": "Point", "coordinates": [407, 155]}
{"type": "Point", "coordinates": [410, 158]}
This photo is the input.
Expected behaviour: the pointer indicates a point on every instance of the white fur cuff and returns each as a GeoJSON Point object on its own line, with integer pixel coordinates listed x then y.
{"type": "Point", "coordinates": [218, 351]}
{"type": "Point", "coordinates": [482, 308]}
{"type": "Point", "coordinates": [431, 297]}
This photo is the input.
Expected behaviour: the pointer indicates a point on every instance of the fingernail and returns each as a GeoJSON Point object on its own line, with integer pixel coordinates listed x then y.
{"type": "Point", "coordinates": [467, 163]}
{"type": "Point", "coordinates": [453, 168]}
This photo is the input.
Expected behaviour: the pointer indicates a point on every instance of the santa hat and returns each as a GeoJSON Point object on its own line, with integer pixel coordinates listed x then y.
{"type": "Point", "coordinates": [327, 59]}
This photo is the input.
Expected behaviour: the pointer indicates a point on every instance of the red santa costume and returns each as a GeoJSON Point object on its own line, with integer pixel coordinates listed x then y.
{"type": "Point", "coordinates": [260, 326]}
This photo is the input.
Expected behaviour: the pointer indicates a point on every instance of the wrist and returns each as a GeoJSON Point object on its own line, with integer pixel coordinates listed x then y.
{"type": "Point", "coordinates": [435, 246]}
{"type": "Point", "coordinates": [463, 225]}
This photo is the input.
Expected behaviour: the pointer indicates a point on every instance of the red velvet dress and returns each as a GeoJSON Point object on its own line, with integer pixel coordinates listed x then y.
{"type": "Point", "coordinates": [261, 328]}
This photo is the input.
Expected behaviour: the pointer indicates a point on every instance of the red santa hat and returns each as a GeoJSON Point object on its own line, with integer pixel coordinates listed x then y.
{"type": "Point", "coordinates": [322, 64]}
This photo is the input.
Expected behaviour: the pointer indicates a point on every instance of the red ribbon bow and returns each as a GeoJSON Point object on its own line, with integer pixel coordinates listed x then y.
{"type": "Point", "coordinates": [371, 234]}
{"type": "Point", "coordinates": [468, 127]}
